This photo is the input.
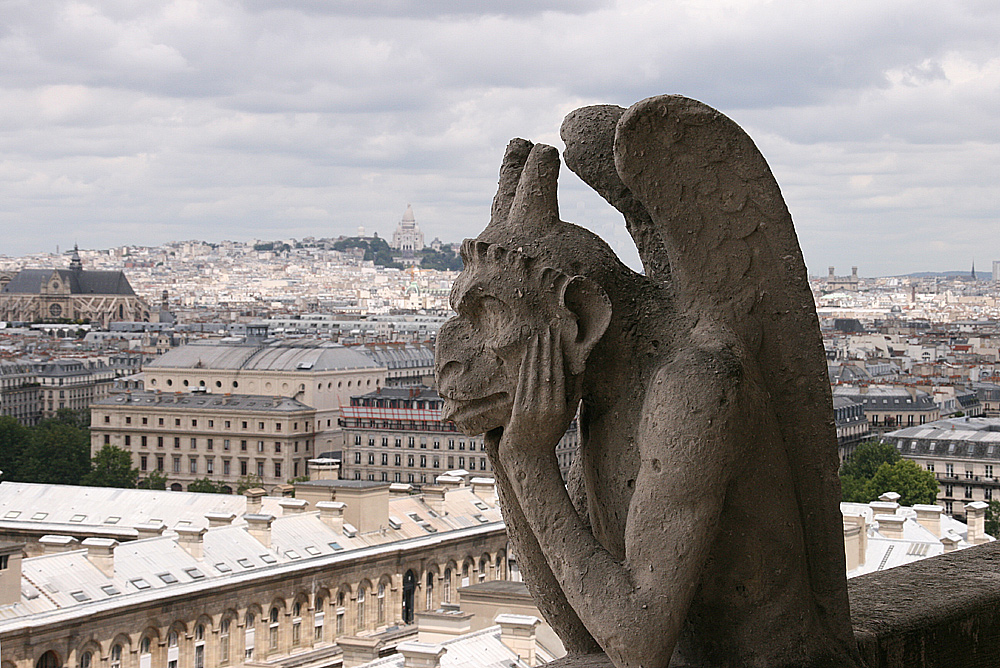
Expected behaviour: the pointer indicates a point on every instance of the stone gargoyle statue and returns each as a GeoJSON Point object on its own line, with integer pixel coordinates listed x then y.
{"type": "Point", "coordinates": [700, 525]}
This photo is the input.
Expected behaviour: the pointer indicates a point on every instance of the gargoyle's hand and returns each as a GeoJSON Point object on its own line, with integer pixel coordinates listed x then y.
{"type": "Point", "coordinates": [541, 412]}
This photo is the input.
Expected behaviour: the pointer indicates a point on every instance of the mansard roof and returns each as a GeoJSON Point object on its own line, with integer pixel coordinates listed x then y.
{"type": "Point", "coordinates": [81, 282]}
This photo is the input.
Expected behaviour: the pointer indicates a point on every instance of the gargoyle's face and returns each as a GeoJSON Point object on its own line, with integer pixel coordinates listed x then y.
{"type": "Point", "coordinates": [481, 350]}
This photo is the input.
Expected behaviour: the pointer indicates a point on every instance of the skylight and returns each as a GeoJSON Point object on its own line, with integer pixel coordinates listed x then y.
{"type": "Point", "coordinates": [139, 583]}
{"type": "Point", "coordinates": [80, 596]}
{"type": "Point", "coordinates": [245, 563]}
{"type": "Point", "coordinates": [312, 549]}
{"type": "Point", "coordinates": [336, 547]}
{"type": "Point", "coordinates": [78, 518]}
{"type": "Point", "coordinates": [292, 554]}
{"type": "Point", "coordinates": [12, 514]}
{"type": "Point", "coordinates": [114, 519]}
{"type": "Point", "coordinates": [223, 568]}
{"type": "Point", "coordinates": [110, 590]}
{"type": "Point", "coordinates": [169, 578]}
{"type": "Point", "coordinates": [268, 559]}
{"type": "Point", "coordinates": [39, 516]}
{"type": "Point", "coordinates": [194, 573]}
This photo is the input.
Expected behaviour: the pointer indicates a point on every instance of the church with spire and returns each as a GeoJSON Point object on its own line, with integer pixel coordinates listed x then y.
{"type": "Point", "coordinates": [75, 293]}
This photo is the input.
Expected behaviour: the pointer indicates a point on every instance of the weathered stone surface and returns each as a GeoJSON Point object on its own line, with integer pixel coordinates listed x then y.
{"type": "Point", "coordinates": [704, 525]}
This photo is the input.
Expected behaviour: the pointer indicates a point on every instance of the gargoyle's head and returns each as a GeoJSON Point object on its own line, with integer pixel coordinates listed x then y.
{"type": "Point", "coordinates": [503, 298]}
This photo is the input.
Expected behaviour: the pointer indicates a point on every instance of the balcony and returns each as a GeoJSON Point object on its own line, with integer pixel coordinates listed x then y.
{"type": "Point", "coordinates": [943, 611]}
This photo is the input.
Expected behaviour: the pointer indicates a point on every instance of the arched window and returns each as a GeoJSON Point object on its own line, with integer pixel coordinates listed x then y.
{"type": "Point", "coordinates": [145, 655]}
{"type": "Point", "coordinates": [381, 604]}
{"type": "Point", "coordinates": [48, 660]}
{"type": "Point", "coordinates": [296, 624]}
{"type": "Point", "coordinates": [116, 656]}
{"type": "Point", "coordinates": [272, 634]}
{"type": "Point", "coordinates": [340, 613]}
{"type": "Point", "coordinates": [224, 642]}
{"type": "Point", "coordinates": [429, 588]}
{"type": "Point", "coordinates": [86, 659]}
{"type": "Point", "coordinates": [361, 609]}
{"type": "Point", "coordinates": [199, 646]}
{"type": "Point", "coordinates": [447, 585]}
{"type": "Point", "coordinates": [249, 635]}
{"type": "Point", "coordinates": [318, 616]}
{"type": "Point", "coordinates": [483, 569]}
{"type": "Point", "coordinates": [173, 651]}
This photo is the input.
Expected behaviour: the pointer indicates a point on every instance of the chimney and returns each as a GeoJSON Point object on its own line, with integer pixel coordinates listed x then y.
{"type": "Point", "coordinates": [254, 496]}
{"type": "Point", "coordinates": [891, 526]}
{"type": "Point", "coordinates": [218, 519]}
{"type": "Point", "coordinates": [292, 506]}
{"type": "Point", "coordinates": [10, 577]}
{"type": "Point", "coordinates": [192, 540]}
{"type": "Point", "coordinates": [883, 507]}
{"type": "Point", "coordinates": [332, 514]}
{"type": "Point", "coordinates": [398, 489]}
{"type": "Point", "coordinates": [285, 490]}
{"type": "Point", "coordinates": [449, 481]}
{"type": "Point", "coordinates": [950, 541]}
{"type": "Point", "coordinates": [890, 497]}
{"type": "Point", "coordinates": [434, 496]}
{"type": "Point", "coordinates": [485, 489]}
{"type": "Point", "coordinates": [324, 469]}
{"type": "Point", "coordinates": [975, 518]}
{"type": "Point", "coordinates": [53, 544]}
{"type": "Point", "coordinates": [420, 655]}
{"type": "Point", "coordinates": [517, 632]}
{"type": "Point", "coordinates": [101, 553]}
{"type": "Point", "coordinates": [150, 529]}
{"type": "Point", "coordinates": [929, 517]}
{"type": "Point", "coordinates": [259, 526]}
{"type": "Point", "coordinates": [855, 540]}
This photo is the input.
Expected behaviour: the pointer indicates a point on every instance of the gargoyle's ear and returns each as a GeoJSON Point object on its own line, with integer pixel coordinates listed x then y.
{"type": "Point", "coordinates": [588, 301]}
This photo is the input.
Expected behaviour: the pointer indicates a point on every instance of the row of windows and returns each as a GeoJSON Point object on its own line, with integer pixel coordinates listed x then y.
{"type": "Point", "coordinates": [371, 606]}
{"type": "Point", "coordinates": [949, 491]}
{"type": "Point", "coordinates": [261, 446]}
{"type": "Point", "coordinates": [225, 424]}
{"type": "Point", "coordinates": [412, 461]}
{"type": "Point", "coordinates": [193, 467]}
{"type": "Point", "coordinates": [411, 442]}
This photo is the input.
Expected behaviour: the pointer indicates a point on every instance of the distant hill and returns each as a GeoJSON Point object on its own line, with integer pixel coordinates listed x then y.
{"type": "Point", "coordinates": [941, 274]}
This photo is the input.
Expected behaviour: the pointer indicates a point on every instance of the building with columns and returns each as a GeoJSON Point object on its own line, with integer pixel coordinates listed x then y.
{"type": "Point", "coordinates": [254, 589]}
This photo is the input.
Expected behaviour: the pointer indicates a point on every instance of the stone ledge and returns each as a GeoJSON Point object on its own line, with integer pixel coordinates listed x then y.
{"type": "Point", "coordinates": [942, 612]}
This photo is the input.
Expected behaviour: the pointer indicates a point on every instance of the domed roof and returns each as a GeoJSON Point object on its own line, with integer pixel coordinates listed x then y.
{"type": "Point", "coordinates": [408, 216]}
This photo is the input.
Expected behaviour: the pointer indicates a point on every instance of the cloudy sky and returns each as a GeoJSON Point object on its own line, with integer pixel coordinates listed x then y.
{"type": "Point", "coordinates": [140, 122]}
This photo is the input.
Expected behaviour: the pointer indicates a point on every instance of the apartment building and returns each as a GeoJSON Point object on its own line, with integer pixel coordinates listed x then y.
{"type": "Point", "coordinates": [319, 374]}
{"type": "Point", "coordinates": [197, 435]}
{"type": "Point", "coordinates": [890, 407]}
{"type": "Point", "coordinates": [963, 453]}
{"type": "Point", "coordinates": [396, 434]}
{"type": "Point", "coordinates": [20, 392]}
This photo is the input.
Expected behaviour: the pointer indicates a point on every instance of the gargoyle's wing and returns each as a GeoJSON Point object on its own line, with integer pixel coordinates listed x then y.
{"type": "Point", "coordinates": [735, 261]}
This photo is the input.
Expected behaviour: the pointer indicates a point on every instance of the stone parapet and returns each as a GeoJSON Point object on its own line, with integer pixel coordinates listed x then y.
{"type": "Point", "coordinates": [941, 611]}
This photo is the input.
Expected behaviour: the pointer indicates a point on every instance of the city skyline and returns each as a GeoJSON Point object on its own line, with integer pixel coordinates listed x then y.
{"type": "Point", "coordinates": [128, 124]}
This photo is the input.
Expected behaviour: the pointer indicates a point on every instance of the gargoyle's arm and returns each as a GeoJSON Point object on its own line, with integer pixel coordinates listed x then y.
{"type": "Point", "coordinates": [636, 608]}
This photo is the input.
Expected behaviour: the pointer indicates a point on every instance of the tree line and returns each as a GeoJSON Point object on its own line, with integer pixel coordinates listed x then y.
{"type": "Point", "coordinates": [57, 451]}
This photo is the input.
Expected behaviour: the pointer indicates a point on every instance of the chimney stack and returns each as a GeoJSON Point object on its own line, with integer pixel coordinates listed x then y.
{"type": "Point", "coordinates": [285, 490]}
{"type": "Point", "coordinates": [890, 526]}
{"type": "Point", "coordinates": [517, 632]}
{"type": "Point", "coordinates": [434, 496]}
{"type": "Point", "coordinates": [950, 541]}
{"type": "Point", "coordinates": [855, 540]}
{"type": "Point", "coordinates": [218, 519]}
{"type": "Point", "coordinates": [259, 526]}
{"type": "Point", "coordinates": [485, 489]}
{"type": "Point", "coordinates": [929, 517]}
{"type": "Point", "coordinates": [192, 540]}
{"type": "Point", "coordinates": [324, 469]}
{"type": "Point", "coordinates": [420, 655]}
{"type": "Point", "coordinates": [254, 497]}
{"type": "Point", "coordinates": [150, 529]}
{"type": "Point", "coordinates": [10, 577]}
{"type": "Point", "coordinates": [292, 506]}
{"type": "Point", "coordinates": [332, 514]}
{"type": "Point", "coordinates": [53, 544]}
{"type": "Point", "coordinates": [975, 519]}
{"type": "Point", "coordinates": [101, 553]}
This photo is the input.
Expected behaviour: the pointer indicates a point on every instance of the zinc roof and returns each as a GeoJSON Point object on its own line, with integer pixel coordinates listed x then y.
{"type": "Point", "coordinates": [297, 355]}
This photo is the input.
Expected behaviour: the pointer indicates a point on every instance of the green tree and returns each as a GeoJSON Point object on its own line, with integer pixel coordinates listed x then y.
{"type": "Point", "coordinates": [993, 519]}
{"type": "Point", "coordinates": [111, 467]}
{"type": "Point", "coordinates": [906, 478]}
{"type": "Point", "coordinates": [868, 457]}
{"type": "Point", "coordinates": [206, 486]}
{"type": "Point", "coordinates": [58, 451]}
{"type": "Point", "coordinates": [155, 480]}
{"type": "Point", "coordinates": [13, 441]}
{"type": "Point", "coordinates": [248, 481]}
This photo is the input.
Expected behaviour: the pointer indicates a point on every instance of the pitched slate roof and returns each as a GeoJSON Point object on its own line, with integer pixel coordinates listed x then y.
{"type": "Point", "coordinates": [81, 282]}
